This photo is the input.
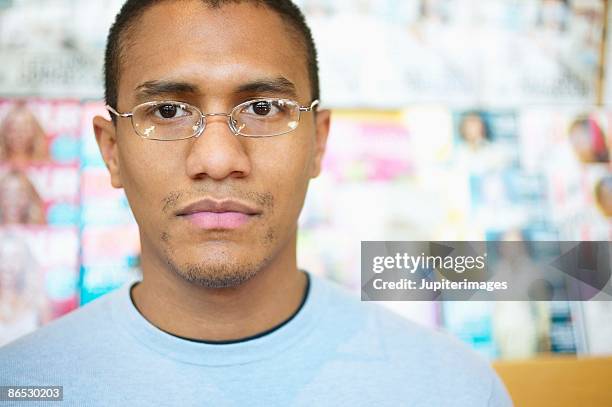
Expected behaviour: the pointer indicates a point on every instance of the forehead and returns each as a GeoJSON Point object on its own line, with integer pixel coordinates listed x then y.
{"type": "Point", "coordinates": [216, 49]}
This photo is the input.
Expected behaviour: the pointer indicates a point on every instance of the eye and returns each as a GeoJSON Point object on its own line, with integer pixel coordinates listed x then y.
{"type": "Point", "coordinates": [264, 108]}
{"type": "Point", "coordinates": [171, 111]}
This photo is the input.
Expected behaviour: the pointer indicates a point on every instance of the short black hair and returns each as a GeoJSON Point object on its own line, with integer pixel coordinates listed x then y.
{"type": "Point", "coordinates": [131, 10]}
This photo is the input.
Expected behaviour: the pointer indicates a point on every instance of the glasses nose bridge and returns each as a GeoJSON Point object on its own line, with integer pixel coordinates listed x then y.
{"type": "Point", "coordinates": [216, 114]}
{"type": "Point", "coordinates": [228, 116]}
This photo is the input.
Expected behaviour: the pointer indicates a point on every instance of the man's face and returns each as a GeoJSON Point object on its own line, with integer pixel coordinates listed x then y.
{"type": "Point", "coordinates": [217, 58]}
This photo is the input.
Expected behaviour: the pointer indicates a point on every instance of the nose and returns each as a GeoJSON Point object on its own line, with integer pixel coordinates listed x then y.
{"type": "Point", "coordinates": [217, 153]}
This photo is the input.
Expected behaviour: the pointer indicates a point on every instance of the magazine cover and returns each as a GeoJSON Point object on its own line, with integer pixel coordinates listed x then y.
{"type": "Point", "coordinates": [357, 173]}
{"type": "Point", "coordinates": [39, 168]}
{"type": "Point", "coordinates": [39, 212]}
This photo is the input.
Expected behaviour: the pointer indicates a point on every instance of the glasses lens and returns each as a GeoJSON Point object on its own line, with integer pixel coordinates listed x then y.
{"type": "Point", "coordinates": [166, 120]}
{"type": "Point", "coordinates": [266, 117]}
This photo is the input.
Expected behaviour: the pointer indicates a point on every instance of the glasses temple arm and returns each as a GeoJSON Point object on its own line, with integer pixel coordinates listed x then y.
{"type": "Point", "coordinates": [113, 111]}
{"type": "Point", "coordinates": [314, 104]}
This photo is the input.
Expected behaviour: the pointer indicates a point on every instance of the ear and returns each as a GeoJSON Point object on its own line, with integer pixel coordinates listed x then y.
{"type": "Point", "coordinates": [322, 132]}
{"type": "Point", "coordinates": [106, 136]}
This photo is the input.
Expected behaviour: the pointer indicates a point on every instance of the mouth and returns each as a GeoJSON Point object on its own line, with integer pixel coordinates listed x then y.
{"type": "Point", "coordinates": [211, 214]}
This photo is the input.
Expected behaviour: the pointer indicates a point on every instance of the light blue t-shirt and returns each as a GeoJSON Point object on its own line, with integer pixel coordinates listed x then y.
{"type": "Point", "coordinates": [336, 351]}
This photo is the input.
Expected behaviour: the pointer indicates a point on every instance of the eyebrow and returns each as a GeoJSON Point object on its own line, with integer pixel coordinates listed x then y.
{"type": "Point", "coordinates": [151, 89]}
{"type": "Point", "coordinates": [278, 85]}
{"type": "Point", "coordinates": [158, 88]}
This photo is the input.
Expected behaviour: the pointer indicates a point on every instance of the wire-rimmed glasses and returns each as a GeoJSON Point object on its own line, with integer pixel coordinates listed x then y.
{"type": "Point", "coordinates": [172, 120]}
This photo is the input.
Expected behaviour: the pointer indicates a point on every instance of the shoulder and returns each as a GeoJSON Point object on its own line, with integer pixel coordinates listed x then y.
{"type": "Point", "coordinates": [421, 355]}
{"type": "Point", "coordinates": [61, 343]}
{"type": "Point", "coordinates": [391, 331]}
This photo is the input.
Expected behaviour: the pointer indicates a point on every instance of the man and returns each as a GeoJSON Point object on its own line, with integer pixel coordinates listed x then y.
{"type": "Point", "coordinates": [215, 136]}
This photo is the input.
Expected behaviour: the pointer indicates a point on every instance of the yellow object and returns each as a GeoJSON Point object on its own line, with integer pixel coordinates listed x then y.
{"type": "Point", "coordinates": [558, 381]}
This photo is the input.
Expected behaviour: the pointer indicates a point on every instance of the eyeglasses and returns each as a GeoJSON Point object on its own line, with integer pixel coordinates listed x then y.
{"type": "Point", "coordinates": [171, 120]}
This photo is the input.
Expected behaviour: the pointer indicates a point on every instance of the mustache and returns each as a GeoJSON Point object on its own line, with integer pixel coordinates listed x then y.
{"type": "Point", "coordinates": [171, 201]}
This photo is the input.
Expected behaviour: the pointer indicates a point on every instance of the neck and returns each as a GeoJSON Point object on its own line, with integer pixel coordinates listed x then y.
{"type": "Point", "coordinates": [188, 310]}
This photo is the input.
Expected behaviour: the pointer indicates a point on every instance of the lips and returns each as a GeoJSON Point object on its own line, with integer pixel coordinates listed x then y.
{"type": "Point", "coordinates": [212, 214]}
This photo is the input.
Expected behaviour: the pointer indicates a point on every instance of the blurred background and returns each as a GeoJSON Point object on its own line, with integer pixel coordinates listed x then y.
{"type": "Point", "coordinates": [452, 120]}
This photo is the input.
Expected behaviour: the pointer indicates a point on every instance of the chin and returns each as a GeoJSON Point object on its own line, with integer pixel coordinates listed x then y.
{"type": "Point", "coordinates": [211, 278]}
{"type": "Point", "coordinates": [220, 270]}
